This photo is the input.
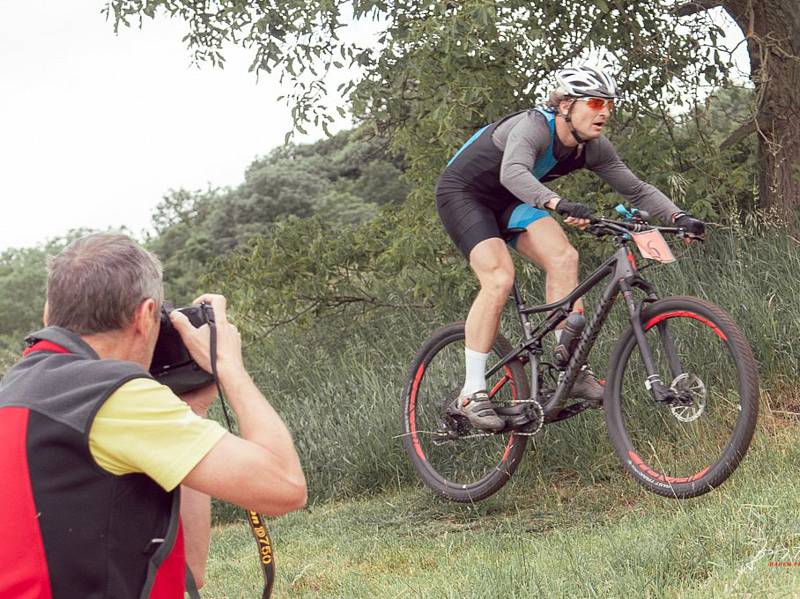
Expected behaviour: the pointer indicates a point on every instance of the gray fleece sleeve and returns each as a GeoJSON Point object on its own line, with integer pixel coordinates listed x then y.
{"type": "Point", "coordinates": [602, 158]}
{"type": "Point", "coordinates": [528, 138]}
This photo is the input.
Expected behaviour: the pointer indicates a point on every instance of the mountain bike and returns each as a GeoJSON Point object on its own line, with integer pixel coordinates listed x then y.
{"type": "Point", "coordinates": [681, 389]}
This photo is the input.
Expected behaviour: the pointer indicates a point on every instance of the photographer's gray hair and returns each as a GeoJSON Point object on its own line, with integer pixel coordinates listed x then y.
{"type": "Point", "coordinates": [95, 284]}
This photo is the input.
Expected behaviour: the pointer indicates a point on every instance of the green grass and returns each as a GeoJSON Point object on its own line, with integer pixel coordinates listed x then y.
{"type": "Point", "coordinates": [547, 534]}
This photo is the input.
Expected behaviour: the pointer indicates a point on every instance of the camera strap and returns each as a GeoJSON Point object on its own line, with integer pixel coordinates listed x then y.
{"type": "Point", "coordinates": [256, 521]}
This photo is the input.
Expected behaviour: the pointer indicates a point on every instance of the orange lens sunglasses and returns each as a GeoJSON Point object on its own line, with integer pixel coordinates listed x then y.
{"type": "Point", "coordinates": [599, 103]}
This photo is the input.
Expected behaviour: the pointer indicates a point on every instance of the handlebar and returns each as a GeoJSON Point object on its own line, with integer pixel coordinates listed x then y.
{"type": "Point", "coordinates": [604, 226]}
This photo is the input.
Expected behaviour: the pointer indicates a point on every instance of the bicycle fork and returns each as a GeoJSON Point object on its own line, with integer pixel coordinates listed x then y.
{"type": "Point", "coordinates": [653, 383]}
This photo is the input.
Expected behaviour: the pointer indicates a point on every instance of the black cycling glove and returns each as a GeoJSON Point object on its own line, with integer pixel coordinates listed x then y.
{"type": "Point", "coordinates": [573, 209]}
{"type": "Point", "coordinates": [690, 224]}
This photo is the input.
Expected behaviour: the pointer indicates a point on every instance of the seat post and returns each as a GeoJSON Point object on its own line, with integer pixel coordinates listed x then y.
{"type": "Point", "coordinates": [517, 296]}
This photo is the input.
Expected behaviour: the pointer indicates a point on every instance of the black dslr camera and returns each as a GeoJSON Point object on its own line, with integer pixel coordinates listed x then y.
{"type": "Point", "coordinates": [172, 365]}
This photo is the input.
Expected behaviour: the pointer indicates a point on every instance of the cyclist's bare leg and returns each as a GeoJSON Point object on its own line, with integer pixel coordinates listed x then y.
{"type": "Point", "coordinates": [491, 262]}
{"type": "Point", "coordinates": [546, 245]}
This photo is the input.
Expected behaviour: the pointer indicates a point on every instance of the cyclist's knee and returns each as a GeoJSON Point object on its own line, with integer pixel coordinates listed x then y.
{"type": "Point", "coordinates": [499, 280]}
{"type": "Point", "coordinates": [565, 259]}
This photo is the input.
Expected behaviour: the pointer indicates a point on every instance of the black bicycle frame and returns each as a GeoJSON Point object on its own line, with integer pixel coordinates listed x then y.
{"type": "Point", "coordinates": [625, 277]}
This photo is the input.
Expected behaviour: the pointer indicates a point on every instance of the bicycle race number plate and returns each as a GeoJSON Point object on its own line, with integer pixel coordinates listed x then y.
{"type": "Point", "coordinates": [652, 245]}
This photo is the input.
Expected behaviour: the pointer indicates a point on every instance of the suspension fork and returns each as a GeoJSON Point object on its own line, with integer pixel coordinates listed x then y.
{"type": "Point", "coordinates": [667, 341]}
{"type": "Point", "coordinates": [653, 382]}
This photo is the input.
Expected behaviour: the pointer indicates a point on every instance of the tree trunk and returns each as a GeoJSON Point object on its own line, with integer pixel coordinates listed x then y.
{"type": "Point", "coordinates": [772, 30]}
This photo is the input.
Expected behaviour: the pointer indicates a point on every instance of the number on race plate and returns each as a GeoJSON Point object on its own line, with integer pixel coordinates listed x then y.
{"type": "Point", "coordinates": [652, 245]}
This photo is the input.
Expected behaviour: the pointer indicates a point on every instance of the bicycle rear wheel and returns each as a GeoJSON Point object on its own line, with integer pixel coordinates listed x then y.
{"type": "Point", "coordinates": [687, 448]}
{"type": "Point", "coordinates": [453, 459]}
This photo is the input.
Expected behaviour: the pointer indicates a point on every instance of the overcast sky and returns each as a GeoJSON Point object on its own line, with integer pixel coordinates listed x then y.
{"type": "Point", "coordinates": [95, 128]}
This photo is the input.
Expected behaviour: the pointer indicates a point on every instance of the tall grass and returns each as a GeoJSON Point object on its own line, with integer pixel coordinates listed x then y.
{"type": "Point", "coordinates": [339, 385]}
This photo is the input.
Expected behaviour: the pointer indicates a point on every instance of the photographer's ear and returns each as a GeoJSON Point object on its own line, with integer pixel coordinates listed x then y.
{"type": "Point", "coordinates": [145, 315]}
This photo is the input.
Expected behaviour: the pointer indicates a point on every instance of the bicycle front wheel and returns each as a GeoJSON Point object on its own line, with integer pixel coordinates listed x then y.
{"type": "Point", "coordinates": [454, 460]}
{"type": "Point", "coordinates": [687, 447]}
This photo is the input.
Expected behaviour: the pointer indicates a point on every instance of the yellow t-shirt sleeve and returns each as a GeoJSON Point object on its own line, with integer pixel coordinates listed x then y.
{"type": "Point", "coordinates": [144, 427]}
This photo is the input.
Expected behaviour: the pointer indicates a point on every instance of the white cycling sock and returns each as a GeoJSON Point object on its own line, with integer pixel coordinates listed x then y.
{"type": "Point", "coordinates": [475, 379]}
{"type": "Point", "coordinates": [558, 335]}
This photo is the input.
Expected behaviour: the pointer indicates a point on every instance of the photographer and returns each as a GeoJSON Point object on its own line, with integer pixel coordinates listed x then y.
{"type": "Point", "coordinates": [106, 474]}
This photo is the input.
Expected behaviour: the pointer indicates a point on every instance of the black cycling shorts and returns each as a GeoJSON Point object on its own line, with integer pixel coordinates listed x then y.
{"type": "Point", "coordinates": [469, 219]}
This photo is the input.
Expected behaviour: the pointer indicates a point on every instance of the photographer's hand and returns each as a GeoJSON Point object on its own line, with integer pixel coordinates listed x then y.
{"type": "Point", "coordinates": [198, 340]}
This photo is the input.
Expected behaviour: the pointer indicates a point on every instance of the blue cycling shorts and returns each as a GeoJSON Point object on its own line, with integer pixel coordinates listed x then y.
{"type": "Point", "coordinates": [522, 216]}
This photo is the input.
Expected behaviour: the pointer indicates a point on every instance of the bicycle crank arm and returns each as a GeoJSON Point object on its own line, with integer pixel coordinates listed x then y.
{"type": "Point", "coordinates": [517, 422]}
{"type": "Point", "coordinates": [525, 418]}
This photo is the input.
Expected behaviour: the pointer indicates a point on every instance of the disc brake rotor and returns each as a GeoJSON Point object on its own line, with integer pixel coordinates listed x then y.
{"type": "Point", "coordinates": [685, 385]}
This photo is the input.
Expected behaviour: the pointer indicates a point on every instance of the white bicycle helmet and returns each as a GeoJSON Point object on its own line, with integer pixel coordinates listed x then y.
{"type": "Point", "coordinates": [586, 81]}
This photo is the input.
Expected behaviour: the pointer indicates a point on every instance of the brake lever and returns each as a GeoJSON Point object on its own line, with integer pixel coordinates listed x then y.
{"type": "Point", "coordinates": [597, 230]}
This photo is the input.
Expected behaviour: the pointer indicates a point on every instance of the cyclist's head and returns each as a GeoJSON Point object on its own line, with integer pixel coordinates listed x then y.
{"type": "Point", "coordinates": [584, 97]}
{"type": "Point", "coordinates": [585, 82]}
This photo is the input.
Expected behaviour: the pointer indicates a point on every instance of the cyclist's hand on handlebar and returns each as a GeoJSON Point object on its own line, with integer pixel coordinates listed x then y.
{"type": "Point", "coordinates": [577, 214]}
{"type": "Point", "coordinates": [574, 209]}
{"type": "Point", "coordinates": [693, 226]}
{"type": "Point", "coordinates": [690, 223]}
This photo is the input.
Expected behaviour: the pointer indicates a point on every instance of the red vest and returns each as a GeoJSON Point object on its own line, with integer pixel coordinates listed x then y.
{"type": "Point", "coordinates": [68, 528]}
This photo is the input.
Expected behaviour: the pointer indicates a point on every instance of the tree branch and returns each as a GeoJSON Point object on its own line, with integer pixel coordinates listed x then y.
{"type": "Point", "coordinates": [739, 134]}
{"type": "Point", "coordinates": [691, 8]}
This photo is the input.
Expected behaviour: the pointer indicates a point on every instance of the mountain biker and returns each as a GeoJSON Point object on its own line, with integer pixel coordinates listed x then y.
{"type": "Point", "coordinates": [495, 181]}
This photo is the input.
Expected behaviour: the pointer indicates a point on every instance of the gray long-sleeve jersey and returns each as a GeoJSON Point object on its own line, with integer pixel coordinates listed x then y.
{"type": "Point", "coordinates": [524, 137]}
